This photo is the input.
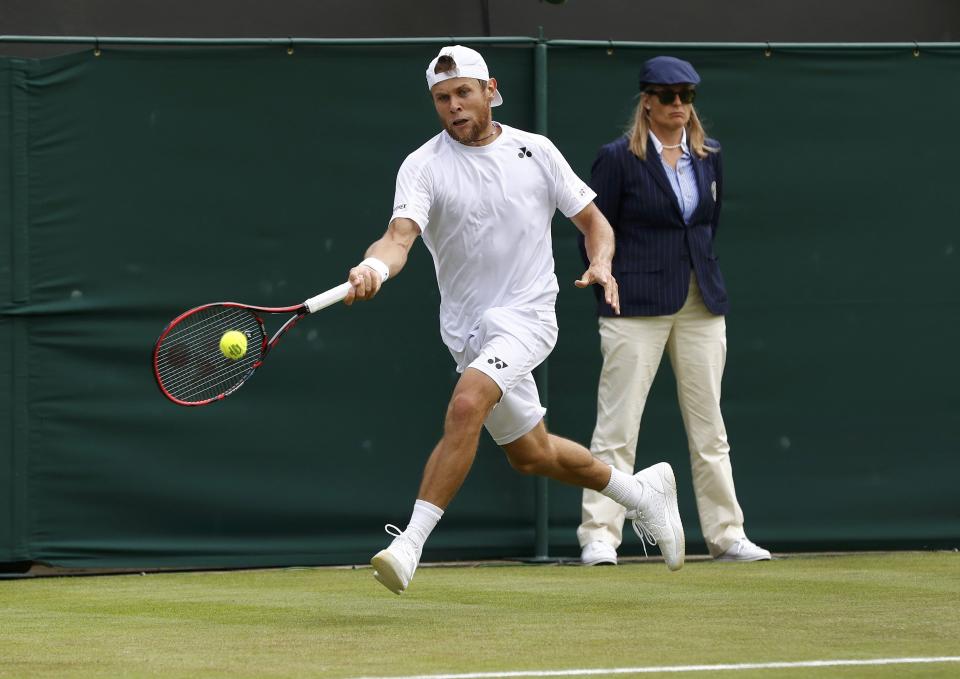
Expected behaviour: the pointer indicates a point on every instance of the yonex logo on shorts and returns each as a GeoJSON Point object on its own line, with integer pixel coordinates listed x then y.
{"type": "Point", "coordinates": [498, 363]}
{"type": "Point", "coordinates": [524, 152]}
{"type": "Point", "coordinates": [401, 206]}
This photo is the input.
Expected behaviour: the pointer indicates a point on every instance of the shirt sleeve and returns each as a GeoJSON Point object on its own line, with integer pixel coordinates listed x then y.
{"type": "Point", "coordinates": [572, 193]}
{"type": "Point", "coordinates": [413, 196]}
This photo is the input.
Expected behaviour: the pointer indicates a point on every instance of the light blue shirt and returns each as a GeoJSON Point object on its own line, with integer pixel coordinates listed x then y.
{"type": "Point", "coordinates": [682, 179]}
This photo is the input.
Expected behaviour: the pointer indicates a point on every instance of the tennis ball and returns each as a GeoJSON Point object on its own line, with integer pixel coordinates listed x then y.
{"type": "Point", "coordinates": [233, 344]}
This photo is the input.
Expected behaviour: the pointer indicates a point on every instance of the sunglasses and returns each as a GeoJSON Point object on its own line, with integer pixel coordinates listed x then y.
{"type": "Point", "coordinates": [667, 97]}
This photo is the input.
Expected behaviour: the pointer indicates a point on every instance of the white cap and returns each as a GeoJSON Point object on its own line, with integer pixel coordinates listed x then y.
{"type": "Point", "coordinates": [469, 65]}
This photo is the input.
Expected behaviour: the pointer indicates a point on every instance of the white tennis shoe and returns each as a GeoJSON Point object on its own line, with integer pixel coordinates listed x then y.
{"type": "Point", "coordinates": [598, 554]}
{"type": "Point", "coordinates": [656, 518]}
{"type": "Point", "coordinates": [744, 550]}
{"type": "Point", "coordinates": [394, 566]}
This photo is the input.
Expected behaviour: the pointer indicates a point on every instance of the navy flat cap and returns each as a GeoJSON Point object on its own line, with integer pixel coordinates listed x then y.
{"type": "Point", "coordinates": [667, 71]}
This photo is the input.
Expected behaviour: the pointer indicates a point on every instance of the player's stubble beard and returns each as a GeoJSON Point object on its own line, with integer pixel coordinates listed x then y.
{"type": "Point", "coordinates": [474, 131]}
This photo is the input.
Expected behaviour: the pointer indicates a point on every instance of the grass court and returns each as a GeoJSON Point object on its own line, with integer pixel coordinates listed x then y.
{"type": "Point", "coordinates": [338, 622]}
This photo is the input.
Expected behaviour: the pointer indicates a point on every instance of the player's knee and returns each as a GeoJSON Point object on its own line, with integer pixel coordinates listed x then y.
{"type": "Point", "coordinates": [466, 409]}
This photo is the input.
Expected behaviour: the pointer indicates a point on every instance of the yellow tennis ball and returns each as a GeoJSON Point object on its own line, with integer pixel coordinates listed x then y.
{"type": "Point", "coordinates": [233, 344]}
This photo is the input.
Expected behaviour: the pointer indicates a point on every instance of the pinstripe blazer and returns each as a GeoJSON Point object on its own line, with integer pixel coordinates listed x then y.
{"type": "Point", "coordinates": [655, 247]}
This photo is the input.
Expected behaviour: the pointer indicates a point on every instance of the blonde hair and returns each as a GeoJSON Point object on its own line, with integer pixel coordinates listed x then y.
{"type": "Point", "coordinates": [638, 132]}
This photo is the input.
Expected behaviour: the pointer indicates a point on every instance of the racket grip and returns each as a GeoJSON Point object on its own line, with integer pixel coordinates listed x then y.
{"type": "Point", "coordinates": [325, 299]}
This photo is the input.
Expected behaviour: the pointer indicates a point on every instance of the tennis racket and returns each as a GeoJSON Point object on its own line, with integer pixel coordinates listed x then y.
{"type": "Point", "coordinates": [188, 363]}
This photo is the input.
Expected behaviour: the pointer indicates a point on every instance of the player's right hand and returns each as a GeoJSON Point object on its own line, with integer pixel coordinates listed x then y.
{"type": "Point", "coordinates": [366, 284]}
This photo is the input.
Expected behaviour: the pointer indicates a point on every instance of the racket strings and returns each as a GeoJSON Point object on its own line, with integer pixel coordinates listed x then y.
{"type": "Point", "coordinates": [194, 369]}
{"type": "Point", "coordinates": [216, 384]}
{"type": "Point", "coordinates": [189, 363]}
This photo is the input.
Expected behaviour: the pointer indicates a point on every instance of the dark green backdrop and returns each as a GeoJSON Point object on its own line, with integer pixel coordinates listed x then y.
{"type": "Point", "coordinates": [142, 182]}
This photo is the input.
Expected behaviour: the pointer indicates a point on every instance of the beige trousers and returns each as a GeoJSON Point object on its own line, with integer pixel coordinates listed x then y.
{"type": "Point", "coordinates": [696, 342]}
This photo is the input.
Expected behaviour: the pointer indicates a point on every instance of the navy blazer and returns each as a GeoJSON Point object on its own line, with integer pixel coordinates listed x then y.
{"type": "Point", "coordinates": [655, 247]}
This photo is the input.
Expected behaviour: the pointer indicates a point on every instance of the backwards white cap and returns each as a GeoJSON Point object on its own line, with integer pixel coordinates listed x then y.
{"type": "Point", "coordinates": [469, 65]}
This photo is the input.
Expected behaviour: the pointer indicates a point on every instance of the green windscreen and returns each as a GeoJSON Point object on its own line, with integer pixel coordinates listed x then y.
{"type": "Point", "coordinates": [140, 183]}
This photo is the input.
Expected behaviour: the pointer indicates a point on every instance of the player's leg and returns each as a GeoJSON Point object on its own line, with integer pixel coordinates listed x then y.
{"type": "Point", "coordinates": [697, 348]}
{"type": "Point", "coordinates": [521, 341]}
{"type": "Point", "coordinates": [473, 398]}
{"type": "Point", "coordinates": [632, 349]}
{"type": "Point", "coordinates": [542, 454]}
{"type": "Point", "coordinates": [649, 496]}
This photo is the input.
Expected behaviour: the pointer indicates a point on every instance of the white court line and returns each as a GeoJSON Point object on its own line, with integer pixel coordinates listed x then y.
{"type": "Point", "coordinates": [679, 668]}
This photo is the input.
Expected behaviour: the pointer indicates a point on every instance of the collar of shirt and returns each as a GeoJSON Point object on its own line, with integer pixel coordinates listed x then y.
{"type": "Point", "coordinates": [682, 178]}
{"type": "Point", "coordinates": [657, 144]}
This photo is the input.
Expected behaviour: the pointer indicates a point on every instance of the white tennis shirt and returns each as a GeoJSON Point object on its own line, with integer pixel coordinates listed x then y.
{"type": "Point", "coordinates": [485, 213]}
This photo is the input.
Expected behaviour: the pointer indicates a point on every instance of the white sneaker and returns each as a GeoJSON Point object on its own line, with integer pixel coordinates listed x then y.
{"type": "Point", "coordinates": [656, 518]}
{"type": "Point", "coordinates": [394, 566]}
{"type": "Point", "coordinates": [744, 550]}
{"type": "Point", "coordinates": [598, 554]}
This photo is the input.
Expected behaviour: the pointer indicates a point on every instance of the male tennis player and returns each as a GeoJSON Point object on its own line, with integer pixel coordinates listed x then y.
{"type": "Point", "coordinates": [482, 195]}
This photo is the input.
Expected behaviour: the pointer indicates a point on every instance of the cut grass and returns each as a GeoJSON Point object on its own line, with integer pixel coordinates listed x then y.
{"type": "Point", "coordinates": [341, 623]}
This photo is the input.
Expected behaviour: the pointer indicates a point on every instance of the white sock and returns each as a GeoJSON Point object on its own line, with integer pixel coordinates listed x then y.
{"type": "Point", "coordinates": [422, 522]}
{"type": "Point", "coordinates": [623, 488]}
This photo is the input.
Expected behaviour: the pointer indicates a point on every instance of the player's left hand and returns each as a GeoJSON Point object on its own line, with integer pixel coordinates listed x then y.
{"type": "Point", "coordinates": [600, 275]}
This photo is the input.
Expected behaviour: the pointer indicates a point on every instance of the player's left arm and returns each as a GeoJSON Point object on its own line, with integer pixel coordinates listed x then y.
{"type": "Point", "coordinates": [600, 243]}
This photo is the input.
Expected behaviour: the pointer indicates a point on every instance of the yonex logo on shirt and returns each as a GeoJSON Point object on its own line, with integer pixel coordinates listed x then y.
{"type": "Point", "coordinates": [524, 152]}
{"type": "Point", "coordinates": [499, 363]}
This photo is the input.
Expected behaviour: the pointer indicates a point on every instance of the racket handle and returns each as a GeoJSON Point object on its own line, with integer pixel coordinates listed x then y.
{"type": "Point", "coordinates": [325, 299]}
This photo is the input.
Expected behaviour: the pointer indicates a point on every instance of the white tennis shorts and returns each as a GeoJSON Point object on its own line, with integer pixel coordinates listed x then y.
{"type": "Point", "coordinates": [506, 345]}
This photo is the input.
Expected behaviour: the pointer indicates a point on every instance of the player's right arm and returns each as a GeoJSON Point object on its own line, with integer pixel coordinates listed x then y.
{"type": "Point", "coordinates": [392, 250]}
{"type": "Point", "coordinates": [411, 214]}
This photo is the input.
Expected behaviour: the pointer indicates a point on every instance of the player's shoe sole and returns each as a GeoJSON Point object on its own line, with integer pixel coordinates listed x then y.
{"type": "Point", "coordinates": [388, 570]}
{"type": "Point", "coordinates": [658, 515]}
{"type": "Point", "coordinates": [673, 516]}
